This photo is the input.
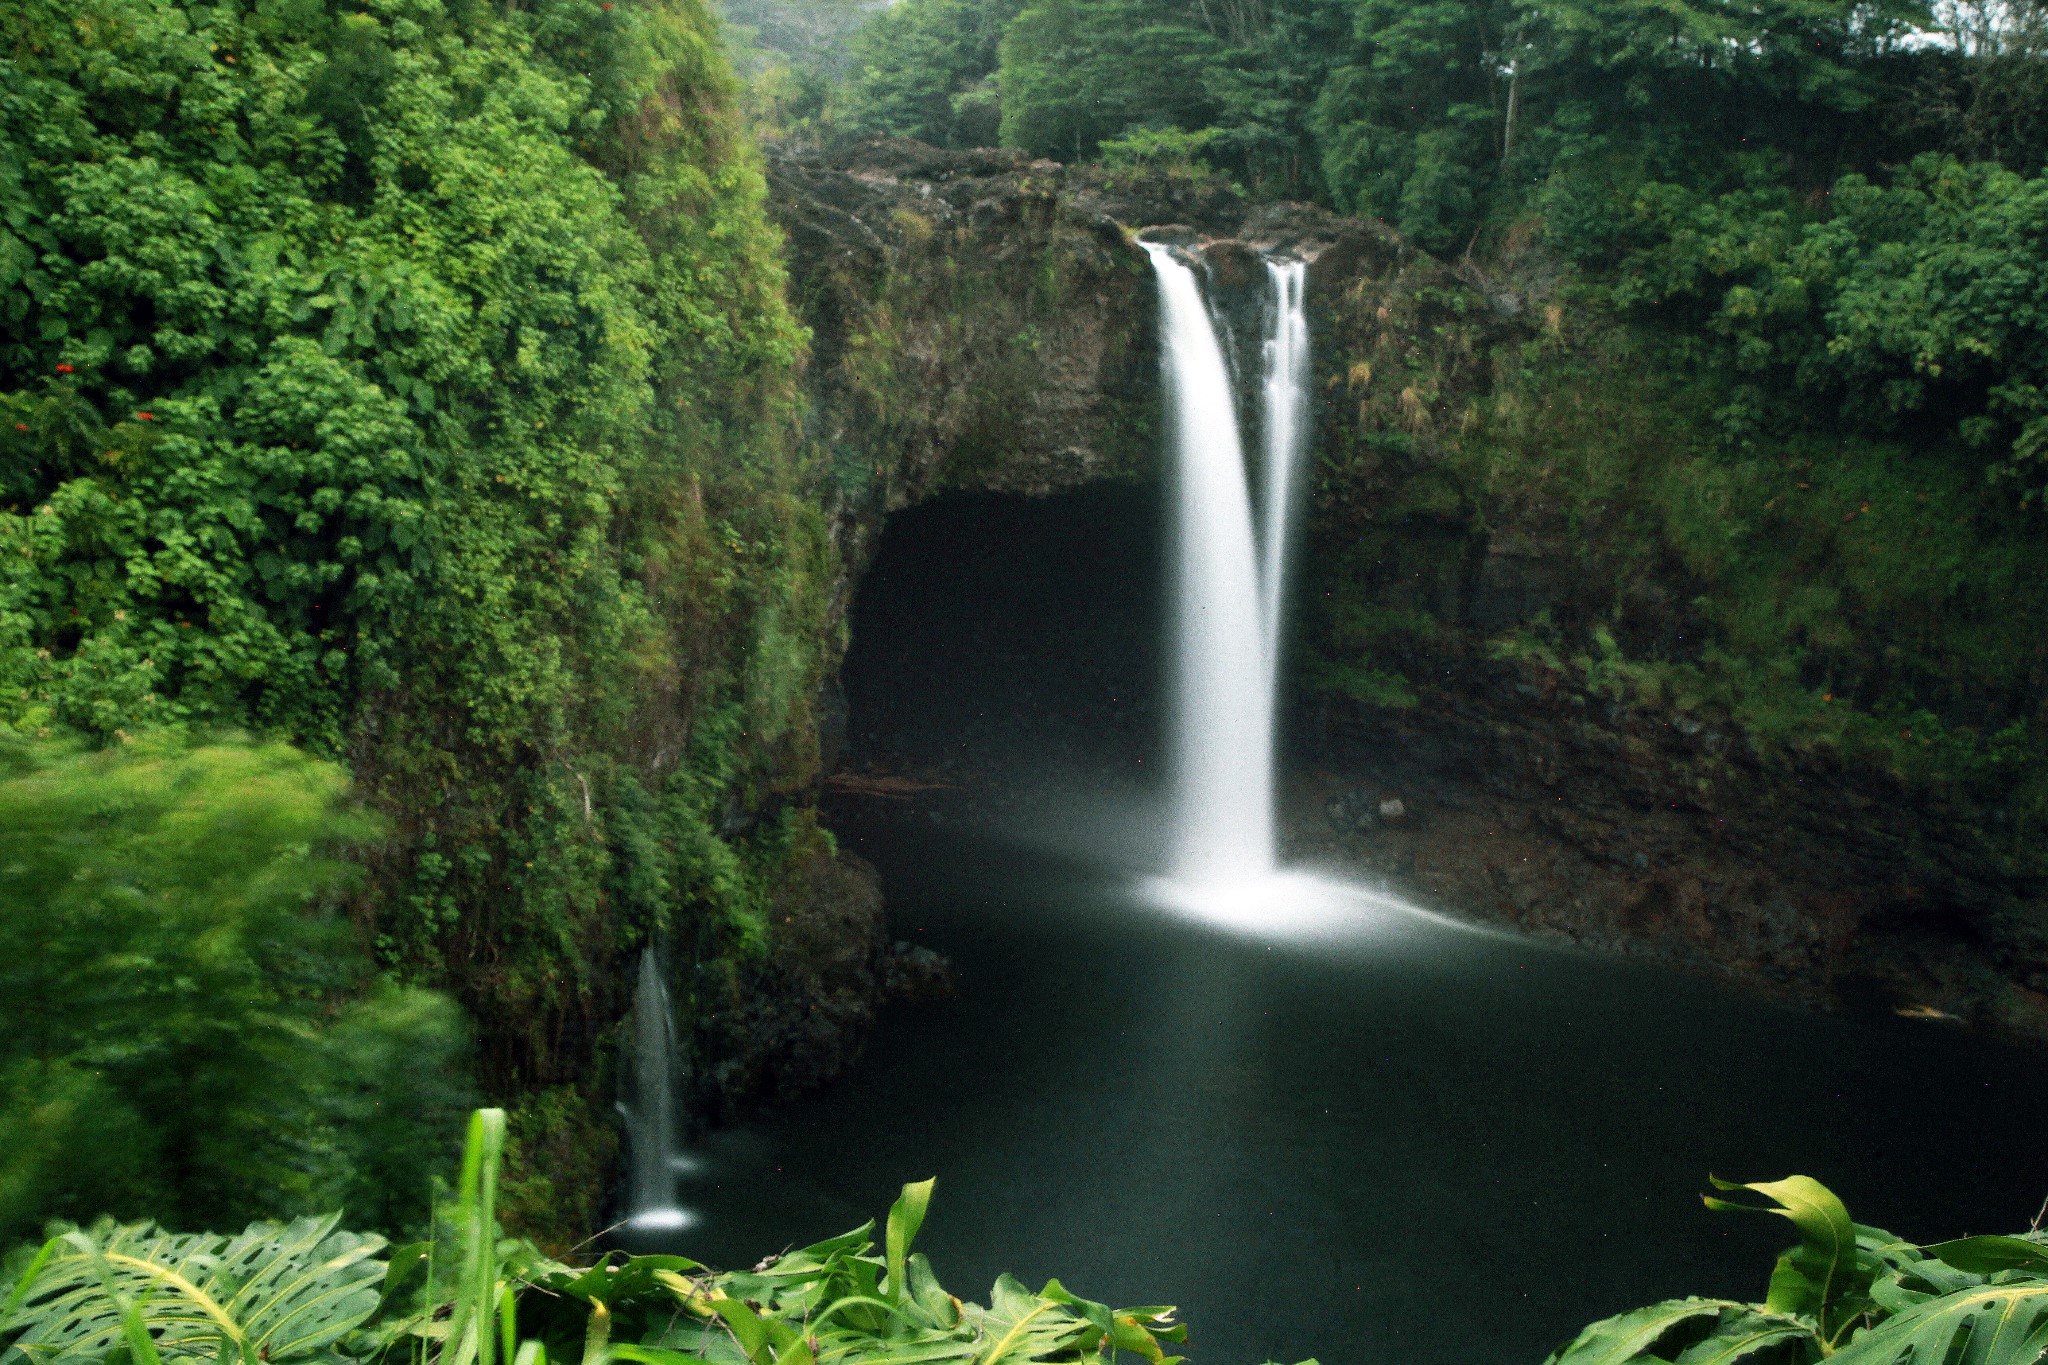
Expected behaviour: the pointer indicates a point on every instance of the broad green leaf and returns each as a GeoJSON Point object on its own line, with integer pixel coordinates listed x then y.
{"type": "Point", "coordinates": [1702, 1331]}
{"type": "Point", "coordinates": [277, 1293]}
{"type": "Point", "coordinates": [614, 1282]}
{"type": "Point", "coordinates": [649, 1355]}
{"type": "Point", "coordinates": [939, 1308]}
{"type": "Point", "coordinates": [1742, 1337]}
{"type": "Point", "coordinates": [1996, 1324]}
{"type": "Point", "coordinates": [1989, 1255]}
{"type": "Point", "coordinates": [1021, 1326]}
{"type": "Point", "coordinates": [1824, 1277]}
{"type": "Point", "coordinates": [747, 1327]}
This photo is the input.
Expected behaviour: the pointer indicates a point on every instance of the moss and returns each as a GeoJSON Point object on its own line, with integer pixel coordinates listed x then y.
{"type": "Point", "coordinates": [1556, 485]}
{"type": "Point", "coordinates": [560, 1154]}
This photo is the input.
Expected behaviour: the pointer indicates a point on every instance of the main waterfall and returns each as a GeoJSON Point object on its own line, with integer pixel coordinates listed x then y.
{"type": "Point", "coordinates": [1229, 581]}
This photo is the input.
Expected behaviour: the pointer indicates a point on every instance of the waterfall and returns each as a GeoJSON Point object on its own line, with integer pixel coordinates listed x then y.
{"type": "Point", "coordinates": [652, 1139]}
{"type": "Point", "coordinates": [1229, 583]}
{"type": "Point", "coordinates": [1285, 421]}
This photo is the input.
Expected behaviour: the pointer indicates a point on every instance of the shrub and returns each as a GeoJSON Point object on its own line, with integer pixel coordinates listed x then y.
{"type": "Point", "coordinates": [206, 1037]}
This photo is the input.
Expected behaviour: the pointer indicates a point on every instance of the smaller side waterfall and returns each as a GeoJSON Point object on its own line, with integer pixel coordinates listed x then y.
{"type": "Point", "coordinates": [652, 1139]}
{"type": "Point", "coordinates": [1285, 414]}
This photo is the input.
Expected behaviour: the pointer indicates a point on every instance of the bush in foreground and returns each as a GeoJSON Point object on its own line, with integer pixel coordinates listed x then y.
{"type": "Point", "coordinates": [191, 1028]}
{"type": "Point", "coordinates": [1849, 1294]}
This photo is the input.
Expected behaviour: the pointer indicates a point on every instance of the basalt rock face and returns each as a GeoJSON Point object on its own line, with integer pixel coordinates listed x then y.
{"type": "Point", "coordinates": [974, 324]}
{"type": "Point", "coordinates": [788, 1023]}
{"type": "Point", "coordinates": [1529, 801]}
{"type": "Point", "coordinates": [982, 320]}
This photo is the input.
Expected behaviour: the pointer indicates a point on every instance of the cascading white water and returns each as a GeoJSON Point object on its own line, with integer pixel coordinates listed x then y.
{"type": "Point", "coordinates": [652, 1138]}
{"type": "Point", "coordinates": [1229, 582]}
{"type": "Point", "coordinates": [1285, 418]}
{"type": "Point", "coordinates": [1221, 717]}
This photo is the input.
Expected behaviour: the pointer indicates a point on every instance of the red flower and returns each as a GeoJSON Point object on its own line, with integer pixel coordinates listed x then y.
{"type": "Point", "coordinates": [21, 426]}
{"type": "Point", "coordinates": [63, 369]}
{"type": "Point", "coordinates": [145, 417]}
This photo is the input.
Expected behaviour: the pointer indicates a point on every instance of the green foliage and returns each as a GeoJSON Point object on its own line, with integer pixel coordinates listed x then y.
{"type": "Point", "coordinates": [1850, 1294]}
{"type": "Point", "coordinates": [1827, 1276]}
{"type": "Point", "coordinates": [1077, 72]}
{"type": "Point", "coordinates": [268, 1293]}
{"type": "Point", "coordinates": [309, 1293]}
{"type": "Point", "coordinates": [561, 1152]}
{"type": "Point", "coordinates": [413, 381]}
{"type": "Point", "coordinates": [1167, 150]}
{"type": "Point", "coordinates": [208, 1039]}
{"type": "Point", "coordinates": [1915, 305]}
{"type": "Point", "coordinates": [920, 69]}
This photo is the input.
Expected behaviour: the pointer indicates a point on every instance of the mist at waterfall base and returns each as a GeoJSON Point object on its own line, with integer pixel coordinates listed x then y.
{"type": "Point", "coordinates": [1357, 1133]}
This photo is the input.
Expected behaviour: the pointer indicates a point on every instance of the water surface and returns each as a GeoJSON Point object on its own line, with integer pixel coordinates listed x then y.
{"type": "Point", "coordinates": [1412, 1144]}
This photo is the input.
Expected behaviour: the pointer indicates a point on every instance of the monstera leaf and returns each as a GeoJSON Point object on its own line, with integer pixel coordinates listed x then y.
{"type": "Point", "coordinates": [1989, 1255]}
{"type": "Point", "coordinates": [1992, 1324]}
{"type": "Point", "coordinates": [270, 1293]}
{"type": "Point", "coordinates": [1683, 1332]}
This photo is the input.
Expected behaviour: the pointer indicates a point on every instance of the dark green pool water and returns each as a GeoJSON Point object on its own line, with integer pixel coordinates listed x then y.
{"type": "Point", "coordinates": [1408, 1143]}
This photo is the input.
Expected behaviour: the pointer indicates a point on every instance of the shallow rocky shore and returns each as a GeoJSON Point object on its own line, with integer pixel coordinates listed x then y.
{"type": "Point", "coordinates": [1650, 833]}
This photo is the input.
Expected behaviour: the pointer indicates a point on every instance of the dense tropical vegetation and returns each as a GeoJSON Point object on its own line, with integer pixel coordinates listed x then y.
{"type": "Point", "coordinates": [1849, 1293]}
{"type": "Point", "coordinates": [209, 1039]}
{"type": "Point", "coordinates": [411, 383]}
{"type": "Point", "coordinates": [466, 1295]}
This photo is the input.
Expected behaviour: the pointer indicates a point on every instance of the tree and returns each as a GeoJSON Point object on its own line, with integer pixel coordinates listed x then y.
{"type": "Point", "coordinates": [207, 1040]}
{"type": "Point", "coordinates": [1077, 72]}
{"type": "Point", "coordinates": [918, 66]}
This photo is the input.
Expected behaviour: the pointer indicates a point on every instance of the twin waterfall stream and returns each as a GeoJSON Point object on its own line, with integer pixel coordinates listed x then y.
{"type": "Point", "coordinates": [1230, 574]}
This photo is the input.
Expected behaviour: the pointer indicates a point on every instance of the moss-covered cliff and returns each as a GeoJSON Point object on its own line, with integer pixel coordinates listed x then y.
{"type": "Point", "coordinates": [1774, 704]}
{"type": "Point", "coordinates": [976, 323]}
{"type": "Point", "coordinates": [414, 380]}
